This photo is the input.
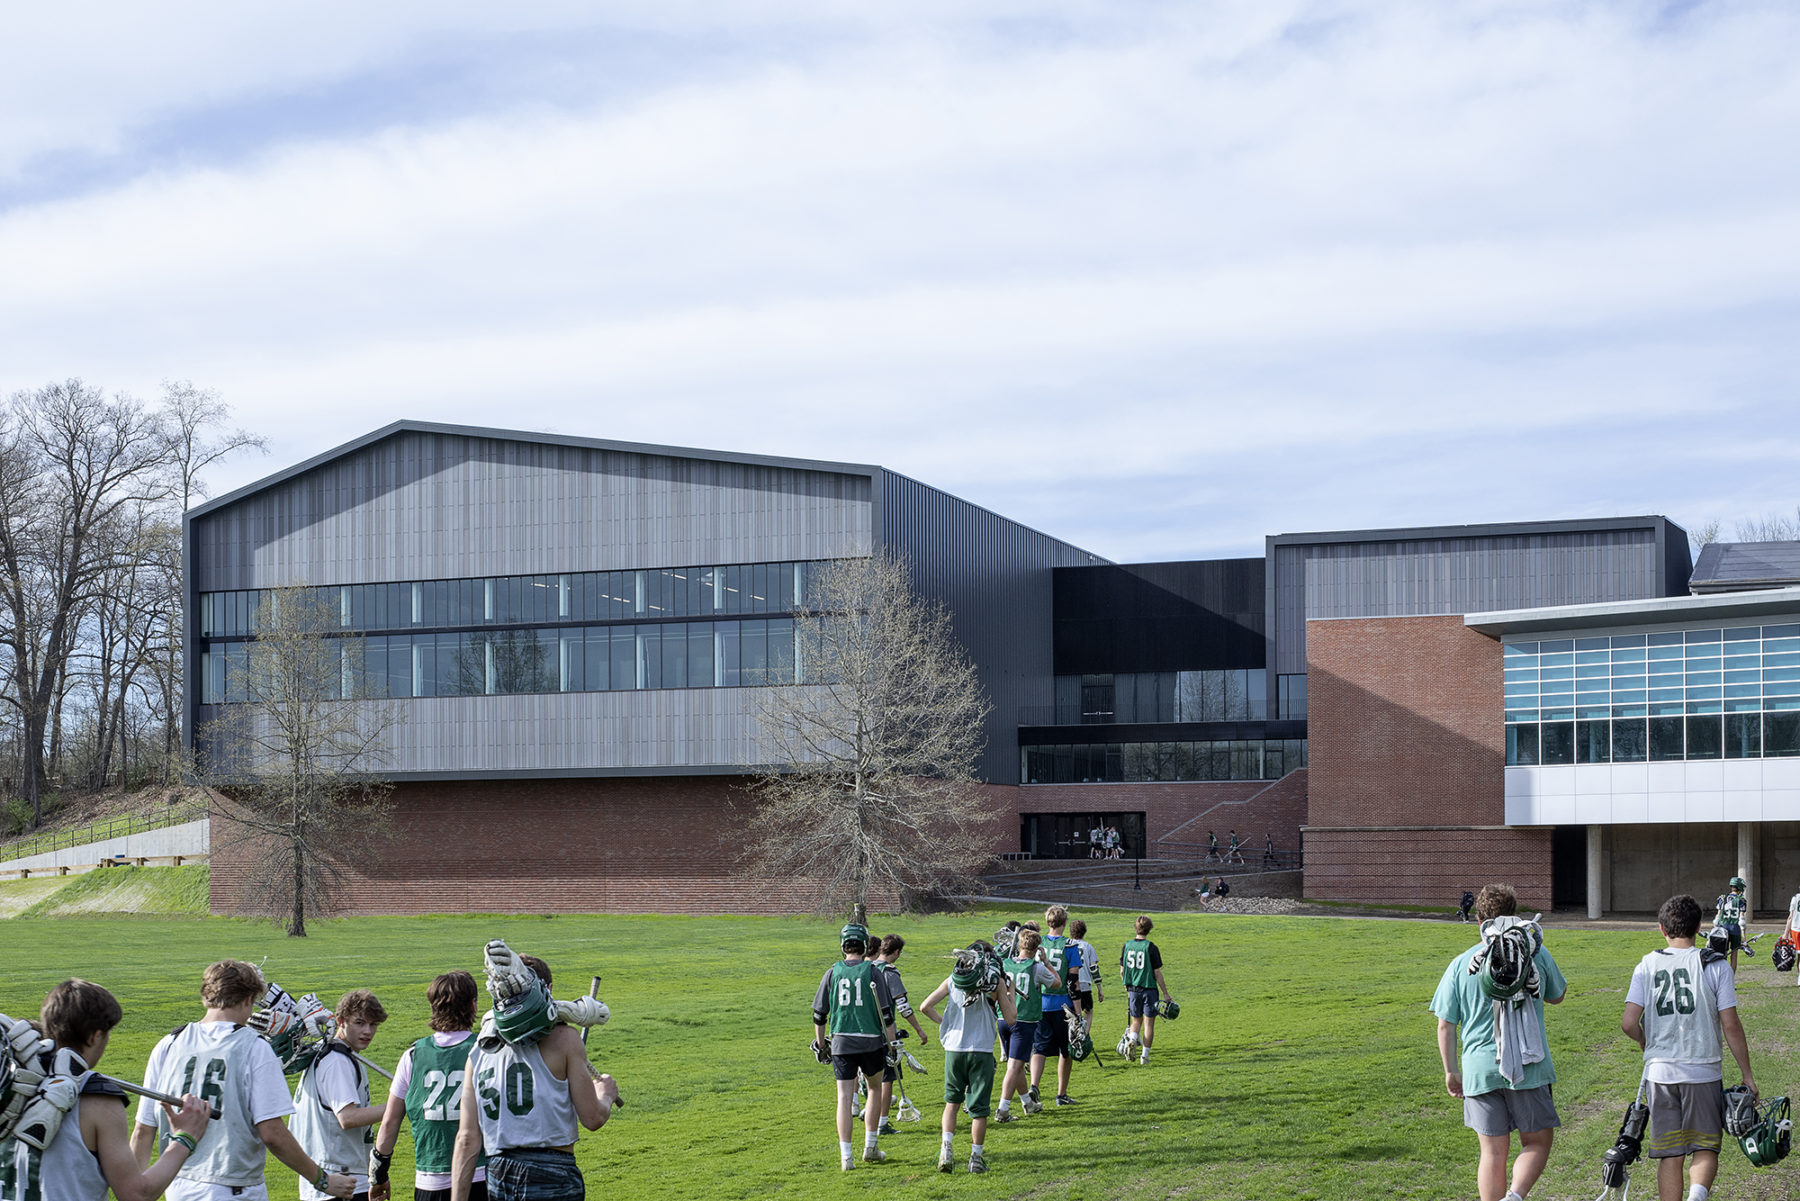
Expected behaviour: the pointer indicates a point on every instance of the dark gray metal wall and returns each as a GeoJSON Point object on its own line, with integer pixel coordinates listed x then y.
{"type": "Point", "coordinates": [994, 575]}
{"type": "Point", "coordinates": [1379, 573]}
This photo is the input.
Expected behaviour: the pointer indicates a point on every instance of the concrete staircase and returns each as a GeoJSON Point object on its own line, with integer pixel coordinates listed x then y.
{"type": "Point", "coordinates": [1149, 885]}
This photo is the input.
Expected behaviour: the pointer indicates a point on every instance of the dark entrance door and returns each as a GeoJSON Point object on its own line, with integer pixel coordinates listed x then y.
{"type": "Point", "coordinates": [1568, 867]}
{"type": "Point", "coordinates": [1070, 835]}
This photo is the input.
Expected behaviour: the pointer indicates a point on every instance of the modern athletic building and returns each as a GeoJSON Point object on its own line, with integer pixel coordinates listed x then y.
{"type": "Point", "coordinates": [572, 632]}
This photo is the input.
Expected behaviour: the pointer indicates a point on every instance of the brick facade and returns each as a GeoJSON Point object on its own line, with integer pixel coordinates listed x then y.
{"type": "Point", "coordinates": [1407, 803]}
{"type": "Point", "coordinates": [1182, 812]}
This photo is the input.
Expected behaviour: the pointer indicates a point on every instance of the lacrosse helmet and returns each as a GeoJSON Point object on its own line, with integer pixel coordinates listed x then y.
{"type": "Point", "coordinates": [1127, 1041]}
{"type": "Point", "coordinates": [1740, 1111]}
{"type": "Point", "coordinates": [1784, 955]}
{"type": "Point", "coordinates": [1170, 1010]}
{"type": "Point", "coordinates": [1006, 941]}
{"type": "Point", "coordinates": [1081, 1045]}
{"type": "Point", "coordinates": [1505, 967]}
{"type": "Point", "coordinates": [527, 1015]}
{"type": "Point", "coordinates": [1739, 882]}
{"type": "Point", "coordinates": [1718, 939]}
{"type": "Point", "coordinates": [854, 932]}
{"type": "Point", "coordinates": [1771, 1137]}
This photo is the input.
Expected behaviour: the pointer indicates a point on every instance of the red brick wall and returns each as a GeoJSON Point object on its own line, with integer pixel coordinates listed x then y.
{"type": "Point", "coordinates": [1406, 731]}
{"type": "Point", "coordinates": [1184, 811]}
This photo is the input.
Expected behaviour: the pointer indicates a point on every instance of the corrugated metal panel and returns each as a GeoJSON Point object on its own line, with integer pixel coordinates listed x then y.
{"type": "Point", "coordinates": [994, 575]}
{"type": "Point", "coordinates": [1454, 576]}
{"type": "Point", "coordinates": [434, 506]}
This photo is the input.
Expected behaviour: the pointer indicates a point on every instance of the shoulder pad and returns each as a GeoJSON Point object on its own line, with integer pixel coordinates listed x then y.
{"type": "Point", "coordinates": [1708, 955]}
{"type": "Point", "coordinates": [103, 1086]}
{"type": "Point", "coordinates": [179, 1029]}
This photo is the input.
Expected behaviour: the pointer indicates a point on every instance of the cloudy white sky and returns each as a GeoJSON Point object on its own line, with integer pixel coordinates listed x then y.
{"type": "Point", "coordinates": [1159, 279]}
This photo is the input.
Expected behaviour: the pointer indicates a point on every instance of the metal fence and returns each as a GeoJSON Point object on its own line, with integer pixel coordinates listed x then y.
{"type": "Point", "coordinates": [1246, 858]}
{"type": "Point", "coordinates": [117, 827]}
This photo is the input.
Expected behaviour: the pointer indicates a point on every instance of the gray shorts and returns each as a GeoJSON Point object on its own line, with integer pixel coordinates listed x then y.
{"type": "Point", "coordinates": [1505, 1110]}
{"type": "Point", "coordinates": [1685, 1118]}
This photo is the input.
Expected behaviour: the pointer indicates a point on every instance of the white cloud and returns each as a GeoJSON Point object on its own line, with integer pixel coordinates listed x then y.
{"type": "Point", "coordinates": [1078, 265]}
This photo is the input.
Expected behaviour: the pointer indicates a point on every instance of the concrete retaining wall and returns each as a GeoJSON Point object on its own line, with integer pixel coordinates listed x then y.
{"type": "Point", "coordinates": [187, 839]}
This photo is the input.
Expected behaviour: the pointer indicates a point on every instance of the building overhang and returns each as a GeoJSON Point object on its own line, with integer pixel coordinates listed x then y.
{"type": "Point", "coordinates": [1668, 610]}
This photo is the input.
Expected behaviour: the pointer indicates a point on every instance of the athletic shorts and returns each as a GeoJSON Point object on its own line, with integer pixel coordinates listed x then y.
{"type": "Point", "coordinates": [1685, 1118]}
{"type": "Point", "coordinates": [1017, 1038]}
{"type": "Point", "coordinates": [1141, 1002]}
{"type": "Point", "coordinates": [1505, 1110]}
{"type": "Point", "coordinates": [477, 1192]}
{"type": "Point", "coordinates": [865, 1063]}
{"type": "Point", "coordinates": [535, 1174]}
{"type": "Point", "coordinates": [1052, 1033]}
{"type": "Point", "coordinates": [890, 1073]}
{"type": "Point", "coordinates": [1086, 1000]}
{"type": "Point", "coordinates": [969, 1080]}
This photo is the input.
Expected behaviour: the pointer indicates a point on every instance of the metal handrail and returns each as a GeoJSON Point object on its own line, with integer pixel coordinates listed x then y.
{"type": "Point", "coordinates": [117, 827]}
{"type": "Point", "coordinates": [1277, 861]}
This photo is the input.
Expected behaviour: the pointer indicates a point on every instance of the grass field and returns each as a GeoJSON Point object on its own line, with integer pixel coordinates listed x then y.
{"type": "Point", "coordinates": [1303, 1064]}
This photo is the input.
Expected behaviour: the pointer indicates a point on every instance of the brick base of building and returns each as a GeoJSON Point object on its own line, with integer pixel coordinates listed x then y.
{"type": "Point", "coordinates": [1177, 815]}
{"type": "Point", "coordinates": [1426, 865]}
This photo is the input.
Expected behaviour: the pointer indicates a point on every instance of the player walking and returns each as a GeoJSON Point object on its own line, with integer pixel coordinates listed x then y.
{"type": "Point", "coordinates": [1029, 972]}
{"type": "Point", "coordinates": [1730, 908]}
{"type": "Point", "coordinates": [521, 1101]}
{"type": "Point", "coordinates": [967, 1031]}
{"type": "Point", "coordinates": [427, 1091]}
{"type": "Point", "coordinates": [885, 962]}
{"type": "Point", "coordinates": [81, 1153]}
{"type": "Point", "coordinates": [230, 1065]}
{"type": "Point", "coordinates": [853, 1022]}
{"type": "Point", "coordinates": [1053, 1027]}
{"type": "Point", "coordinates": [333, 1119]}
{"type": "Point", "coordinates": [1140, 970]}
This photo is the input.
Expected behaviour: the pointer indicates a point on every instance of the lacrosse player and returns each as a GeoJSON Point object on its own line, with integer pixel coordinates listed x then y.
{"type": "Point", "coordinates": [967, 1031]}
{"type": "Point", "coordinates": [1140, 971]}
{"type": "Point", "coordinates": [891, 946]}
{"type": "Point", "coordinates": [1088, 991]}
{"type": "Point", "coordinates": [521, 1100]}
{"type": "Point", "coordinates": [332, 1116]}
{"type": "Point", "coordinates": [853, 1023]}
{"type": "Point", "coordinates": [84, 1150]}
{"type": "Point", "coordinates": [426, 1091]}
{"type": "Point", "coordinates": [1052, 1036]}
{"type": "Point", "coordinates": [1495, 1105]}
{"type": "Point", "coordinates": [1030, 973]}
{"type": "Point", "coordinates": [1730, 911]}
{"type": "Point", "coordinates": [1682, 1010]}
{"type": "Point", "coordinates": [229, 1064]}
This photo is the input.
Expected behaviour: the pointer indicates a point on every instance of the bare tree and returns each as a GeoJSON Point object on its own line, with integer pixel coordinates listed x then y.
{"type": "Point", "coordinates": [1771, 527]}
{"type": "Point", "coordinates": [871, 788]}
{"type": "Point", "coordinates": [297, 753]}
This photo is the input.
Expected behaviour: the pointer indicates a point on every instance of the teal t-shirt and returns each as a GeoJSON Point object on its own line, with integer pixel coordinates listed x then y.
{"type": "Point", "coordinates": [1459, 1000]}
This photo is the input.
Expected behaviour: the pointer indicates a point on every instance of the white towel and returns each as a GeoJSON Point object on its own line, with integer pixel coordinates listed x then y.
{"type": "Point", "coordinates": [1518, 1037]}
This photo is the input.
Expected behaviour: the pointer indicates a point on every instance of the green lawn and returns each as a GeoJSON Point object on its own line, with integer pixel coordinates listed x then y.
{"type": "Point", "coordinates": [1303, 1065]}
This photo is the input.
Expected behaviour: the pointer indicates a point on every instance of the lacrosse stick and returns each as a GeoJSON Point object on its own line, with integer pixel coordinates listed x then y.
{"type": "Point", "coordinates": [1625, 1150]}
{"type": "Point", "coordinates": [141, 1091]}
{"type": "Point", "coordinates": [907, 1111]}
{"type": "Point", "coordinates": [594, 991]}
{"type": "Point", "coordinates": [371, 1065]}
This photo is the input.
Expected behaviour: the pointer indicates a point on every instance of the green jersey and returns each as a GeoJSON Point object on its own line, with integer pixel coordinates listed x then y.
{"type": "Point", "coordinates": [854, 1005]}
{"type": "Point", "coordinates": [1028, 994]}
{"type": "Point", "coordinates": [1140, 959]}
{"type": "Point", "coordinates": [434, 1101]}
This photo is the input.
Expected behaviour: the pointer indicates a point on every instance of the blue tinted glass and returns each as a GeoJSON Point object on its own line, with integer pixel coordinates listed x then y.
{"type": "Point", "coordinates": [1781, 632]}
{"type": "Point", "coordinates": [1622, 696]}
{"type": "Point", "coordinates": [1557, 673]}
{"type": "Point", "coordinates": [1781, 702]}
{"type": "Point", "coordinates": [1582, 657]}
{"type": "Point", "coordinates": [1628, 640]}
{"type": "Point", "coordinates": [1702, 693]}
{"type": "Point", "coordinates": [1750, 706]}
{"type": "Point", "coordinates": [1592, 671]}
{"type": "Point", "coordinates": [1743, 677]}
{"type": "Point", "coordinates": [1694, 636]}
{"type": "Point", "coordinates": [1781, 660]}
{"type": "Point", "coordinates": [1565, 659]}
{"type": "Point", "coordinates": [1665, 708]}
{"type": "Point", "coordinates": [1669, 639]}
{"type": "Point", "coordinates": [1665, 652]}
{"type": "Point", "coordinates": [1590, 644]}
{"type": "Point", "coordinates": [1521, 715]}
{"type": "Point", "coordinates": [1521, 677]}
{"type": "Point", "coordinates": [1781, 673]}
{"type": "Point", "coordinates": [1558, 646]}
{"type": "Point", "coordinates": [1702, 677]}
{"type": "Point", "coordinates": [1704, 706]}
{"type": "Point", "coordinates": [1521, 648]}
{"type": "Point", "coordinates": [1732, 690]}
{"type": "Point", "coordinates": [1780, 646]}
{"type": "Point", "coordinates": [1557, 714]}
{"type": "Point", "coordinates": [1665, 694]}
{"type": "Point", "coordinates": [1633, 655]}
{"type": "Point", "coordinates": [1739, 633]}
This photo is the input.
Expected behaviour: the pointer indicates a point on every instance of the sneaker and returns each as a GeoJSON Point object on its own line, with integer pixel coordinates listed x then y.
{"type": "Point", "coordinates": [874, 1155]}
{"type": "Point", "coordinates": [1006, 1115]}
{"type": "Point", "coordinates": [1064, 1099]}
{"type": "Point", "coordinates": [1031, 1104]}
{"type": "Point", "coordinates": [887, 1128]}
{"type": "Point", "coordinates": [946, 1160]}
{"type": "Point", "coordinates": [1032, 1093]}
{"type": "Point", "coordinates": [847, 1163]}
{"type": "Point", "coordinates": [977, 1164]}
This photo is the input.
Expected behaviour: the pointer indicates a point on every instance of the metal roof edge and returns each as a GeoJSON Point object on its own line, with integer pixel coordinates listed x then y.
{"type": "Point", "coordinates": [1653, 609]}
{"type": "Point", "coordinates": [1575, 525]}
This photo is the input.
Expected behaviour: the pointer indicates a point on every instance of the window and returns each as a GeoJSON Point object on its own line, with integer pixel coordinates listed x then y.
{"type": "Point", "coordinates": [1521, 746]}
{"type": "Point", "coordinates": [1665, 738]}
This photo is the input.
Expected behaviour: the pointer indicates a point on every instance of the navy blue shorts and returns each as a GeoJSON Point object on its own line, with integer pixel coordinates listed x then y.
{"type": "Point", "coordinates": [1142, 1002]}
{"type": "Point", "coordinates": [1052, 1034]}
{"type": "Point", "coordinates": [1017, 1038]}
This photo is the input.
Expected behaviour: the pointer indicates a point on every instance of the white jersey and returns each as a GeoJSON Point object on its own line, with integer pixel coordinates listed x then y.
{"type": "Point", "coordinates": [234, 1069]}
{"type": "Point", "coordinates": [518, 1102]}
{"type": "Point", "coordinates": [331, 1082]}
{"type": "Point", "coordinates": [968, 1027]}
{"type": "Point", "coordinates": [1088, 963]}
{"type": "Point", "coordinates": [1681, 998]}
{"type": "Point", "coordinates": [64, 1171]}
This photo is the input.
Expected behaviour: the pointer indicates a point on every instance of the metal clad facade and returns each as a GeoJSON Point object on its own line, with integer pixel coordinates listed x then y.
{"type": "Point", "coordinates": [994, 576]}
{"type": "Point", "coordinates": [1439, 576]}
{"type": "Point", "coordinates": [423, 505]}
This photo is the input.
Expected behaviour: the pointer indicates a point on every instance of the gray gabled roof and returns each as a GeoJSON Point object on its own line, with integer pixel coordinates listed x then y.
{"type": "Point", "coordinates": [1737, 566]}
{"type": "Point", "coordinates": [476, 431]}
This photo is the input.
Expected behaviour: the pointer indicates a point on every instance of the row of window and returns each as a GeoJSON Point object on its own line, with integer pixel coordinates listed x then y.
{"type": "Point", "coordinates": [697, 654]}
{"type": "Point", "coordinates": [1097, 763]}
{"type": "Point", "coordinates": [1655, 739]}
{"type": "Point", "coordinates": [1162, 696]}
{"type": "Point", "coordinates": [529, 599]}
{"type": "Point", "coordinates": [1733, 670]}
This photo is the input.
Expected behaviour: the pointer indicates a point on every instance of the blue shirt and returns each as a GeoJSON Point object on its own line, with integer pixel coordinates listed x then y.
{"type": "Point", "coordinates": [1460, 1001]}
{"type": "Point", "coordinates": [1071, 959]}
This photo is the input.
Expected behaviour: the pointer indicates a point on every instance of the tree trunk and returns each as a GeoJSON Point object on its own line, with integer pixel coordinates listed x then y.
{"type": "Point", "coordinates": [297, 920]}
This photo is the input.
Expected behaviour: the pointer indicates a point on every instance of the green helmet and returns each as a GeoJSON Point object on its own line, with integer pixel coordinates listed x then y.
{"type": "Point", "coordinates": [1739, 882]}
{"type": "Point", "coordinates": [854, 932]}
{"type": "Point", "coordinates": [1771, 1138]}
{"type": "Point", "coordinates": [526, 1016]}
{"type": "Point", "coordinates": [1170, 1010]}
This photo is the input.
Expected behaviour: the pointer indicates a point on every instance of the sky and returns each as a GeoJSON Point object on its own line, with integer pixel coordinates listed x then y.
{"type": "Point", "coordinates": [1159, 279]}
